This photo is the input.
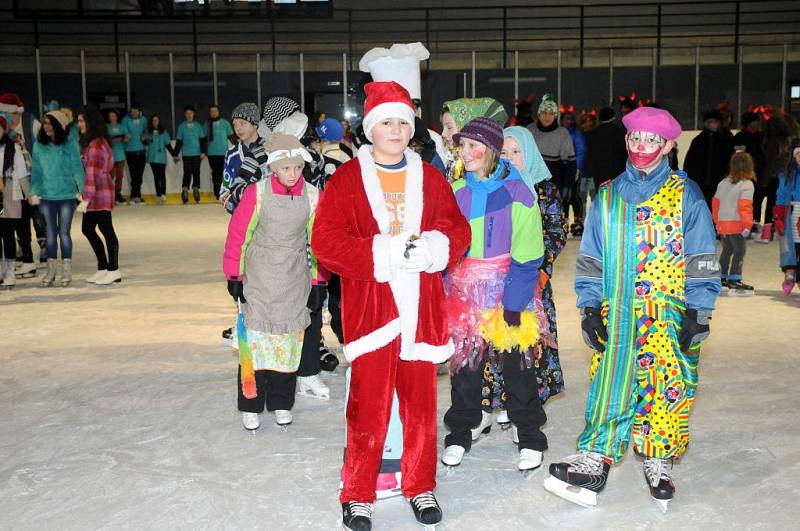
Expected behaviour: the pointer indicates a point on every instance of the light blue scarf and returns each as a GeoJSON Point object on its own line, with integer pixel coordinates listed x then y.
{"type": "Point", "coordinates": [535, 170]}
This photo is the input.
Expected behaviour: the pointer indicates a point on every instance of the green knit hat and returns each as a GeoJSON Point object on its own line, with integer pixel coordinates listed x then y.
{"type": "Point", "coordinates": [548, 104]}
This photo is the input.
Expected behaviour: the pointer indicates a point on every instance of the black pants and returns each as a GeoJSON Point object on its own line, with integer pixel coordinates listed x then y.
{"type": "Point", "coordinates": [770, 191]}
{"type": "Point", "coordinates": [732, 256]}
{"type": "Point", "coordinates": [217, 163]}
{"type": "Point", "coordinates": [159, 178]}
{"type": "Point", "coordinates": [309, 359]}
{"type": "Point", "coordinates": [102, 220]}
{"type": "Point", "coordinates": [29, 213]}
{"type": "Point", "coordinates": [523, 405]}
{"type": "Point", "coordinates": [191, 171]}
{"type": "Point", "coordinates": [275, 389]}
{"type": "Point", "coordinates": [8, 247]}
{"type": "Point", "coordinates": [576, 200]}
{"type": "Point", "coordinates": [136, 161]}
{"type": "Point", "coordinates": [335, 306]}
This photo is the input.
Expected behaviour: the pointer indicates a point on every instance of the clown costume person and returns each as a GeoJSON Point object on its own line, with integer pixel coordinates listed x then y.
{"type": "Point", "coordinates": [388, 225]}
{"type": "Point", "coordinates": [647, 279]}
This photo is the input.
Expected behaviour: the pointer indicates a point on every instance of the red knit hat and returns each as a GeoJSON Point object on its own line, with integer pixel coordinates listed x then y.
{"type": "Point", "coordinates": [10, 102]}
{"type": "Point", "coordinates": [386, 99]}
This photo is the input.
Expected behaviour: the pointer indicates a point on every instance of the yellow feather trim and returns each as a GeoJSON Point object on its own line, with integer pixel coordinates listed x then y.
{"type": "Point", "coordinates": [505, 338]}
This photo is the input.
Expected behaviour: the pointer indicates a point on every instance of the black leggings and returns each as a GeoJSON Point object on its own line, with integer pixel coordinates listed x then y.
{"type": "Point", "coordinates": [159, 178]}
{"type": "Point", "coordinates": [191, 171]}
{"type": "Point", "coordinates": [274, 389]}
{"type": "Point", "coordinates": [102, 220]}
{"type": "Point", "coordinates": [217, 163]}
{"type": "Point", "coordinates": [8, 247]}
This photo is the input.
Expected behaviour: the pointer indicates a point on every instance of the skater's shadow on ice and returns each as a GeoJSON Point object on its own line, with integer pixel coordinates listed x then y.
{"type": "Point", "coordinates": [45, 297]}
{"type": "Point", "coordinates": [778, 295]}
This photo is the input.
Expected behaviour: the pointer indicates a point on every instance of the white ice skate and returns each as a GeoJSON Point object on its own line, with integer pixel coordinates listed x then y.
{"type": "Point", "coordinates": [313, 387]}
{"type": "Point", "coordinates": [283, 417]}
{"type": "Point", "coordinates": [662, 488]}
{"type": "Point", "coordinates": [111, 277]}
{"type": "Point", "coordinates": [484, 427]}
{"type": "Point", "coordinates": [579, 478]}
{"type": "Point", "coordinates": [453, 455]}
{"type": "Point", "coordinates": [503, 420]}
{"type": "Point", "coordinates": [26, 270]}
{"type": "Point", "coordinates": [98, 275]}
{"type": "Point", "coordinates": [250, 421]}
{"type": "Point", "coordinates": [529, 460]}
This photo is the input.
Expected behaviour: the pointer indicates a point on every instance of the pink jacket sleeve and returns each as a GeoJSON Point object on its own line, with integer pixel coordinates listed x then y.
{"type": "Point", "coordinates": [240, 229]}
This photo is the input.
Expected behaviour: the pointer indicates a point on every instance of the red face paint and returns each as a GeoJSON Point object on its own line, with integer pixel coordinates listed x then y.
{"type": "Point", "coordinates": [642, 159]}
{"type": "Point", "coordinates": [478, 154]}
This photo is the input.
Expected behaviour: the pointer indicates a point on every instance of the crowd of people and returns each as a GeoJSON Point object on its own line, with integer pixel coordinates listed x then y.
{"type": "Point", "coordinates": [442, 248]}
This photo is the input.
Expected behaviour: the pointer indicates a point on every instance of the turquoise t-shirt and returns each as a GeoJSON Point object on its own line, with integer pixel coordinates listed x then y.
{"type": "Point", "coordinates": [218, 145]}
{"type": "Point", "coordinates": [135, 128]}
{"type": "Point", "coordinates": [117, 144]}
{"type": "Point", "coordinates": [157, 148]}
{"type": "Point", "coordinates": [191, 133]}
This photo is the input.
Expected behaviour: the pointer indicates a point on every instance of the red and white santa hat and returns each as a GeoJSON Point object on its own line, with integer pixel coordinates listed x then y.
{"type": "Point", "coordinates": [10, 102]}
{"type": "Point", "coordinates": [386, 99]}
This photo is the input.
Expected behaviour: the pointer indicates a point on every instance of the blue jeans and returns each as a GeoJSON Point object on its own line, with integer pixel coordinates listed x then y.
{"type": "Point", "coordinates": [58, 218]}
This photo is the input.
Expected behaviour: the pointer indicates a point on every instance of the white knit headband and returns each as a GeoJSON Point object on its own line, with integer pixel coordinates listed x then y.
{"type": "Point", "coordinates": [281, 154]}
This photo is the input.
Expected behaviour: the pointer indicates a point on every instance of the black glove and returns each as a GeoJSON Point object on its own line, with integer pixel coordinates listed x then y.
{"type": "Point", "coordinates": [695, 328]}
{"type": "Point", "coordinates": [236, 290]}
{"type": "Point", "coordinates": [511, 317]}
{"type": "Point", "coordinates": [593, 328]}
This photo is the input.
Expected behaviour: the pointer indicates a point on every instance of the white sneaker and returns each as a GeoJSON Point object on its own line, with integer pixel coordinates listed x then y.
{"type": "Point", "coordinates": [97, 276]}
{"type": "Point", "coordinates": [529, 459]}
{"type": "Point", "coordinates": [484, 427]}
{"type": "Point", "coordinates": [283, 417]}
{"type": "Point", "coordinates": [453, 455]}
{"type": "Point", "coordinates": [313, 387]}
{"type": "Point", "coordinates": [250, 421]}
{"type": "Point", "coordinates": [26, 270]}
{"type": "Point", "coordinates": [109, 278]}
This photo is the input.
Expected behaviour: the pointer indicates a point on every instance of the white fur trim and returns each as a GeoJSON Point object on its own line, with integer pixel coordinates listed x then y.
{"type": "Point", "coordinates": [405, 288]}
{"type": "Point", "coordinates": [372, 341]}
{"type": "Point", "coordinates": [7, 107]}
{"type": "Point", "coordinates": [373, 189]}
{"type": "Point", "coordinates": [389, 109]}
{"type": "Point", "coordinates": [381, 249]}
{"type": "Point", "coordinates": [432, 353]}
{"type": "Point", "coordinates": [439, 246]}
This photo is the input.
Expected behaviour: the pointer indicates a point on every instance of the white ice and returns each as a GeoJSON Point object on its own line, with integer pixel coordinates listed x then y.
{"type": "Point", "coordinates": [118, 411]}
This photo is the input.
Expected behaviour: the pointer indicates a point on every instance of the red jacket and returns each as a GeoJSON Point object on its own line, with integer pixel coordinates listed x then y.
{"type": "Point", "coordinates": [351, 237]}
{"type": "Point", "coordinates": [98, 184]}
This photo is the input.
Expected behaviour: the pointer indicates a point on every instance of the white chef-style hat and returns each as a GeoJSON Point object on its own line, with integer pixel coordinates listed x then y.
{"type": "Point", "coordinates": [400, 64]}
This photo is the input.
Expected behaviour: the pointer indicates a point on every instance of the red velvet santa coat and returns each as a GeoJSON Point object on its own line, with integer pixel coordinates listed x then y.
{"type": "Point", "coordinates": [351, 237]}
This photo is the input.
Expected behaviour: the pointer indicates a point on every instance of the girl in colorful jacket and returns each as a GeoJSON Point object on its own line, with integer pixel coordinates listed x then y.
{"type": "Point", "coordinates": [493, 315]}
{"type": "Point", "coordinates": [786, 214]}
{"type": "Point", "coordinates": [98, 196]}
{"type": "Point", "coordinates": [266, 265]}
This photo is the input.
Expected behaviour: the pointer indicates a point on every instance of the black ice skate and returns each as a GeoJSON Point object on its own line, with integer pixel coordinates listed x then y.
{"type": "Point", "coordinates": [579, 477]}
{"type": "Point", "coordinates": [577, 228]}
{"type": "Point", "coordinates": [357, 516]}
{"type": "Point", "coordinates": [662, 488]}
{"type": "Point", "coordinates": [327, 361]}
{"type": "Point", "coordinates": [736, 288]}
{"type": "Point", "coordinates": [426, 510]}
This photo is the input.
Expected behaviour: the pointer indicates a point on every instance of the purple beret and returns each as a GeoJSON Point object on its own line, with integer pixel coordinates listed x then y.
{"type": "Point", "coordinates": [652, 120]}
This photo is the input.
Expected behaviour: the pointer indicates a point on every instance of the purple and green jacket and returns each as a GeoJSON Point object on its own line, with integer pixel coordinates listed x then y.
{"type": "Point", "coordinates": [505, 219]}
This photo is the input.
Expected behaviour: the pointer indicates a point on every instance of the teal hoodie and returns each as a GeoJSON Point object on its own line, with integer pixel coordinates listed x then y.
{"type": "Point", "coordinates": [135, 128]}
{"type": "Point", "coordinates": [57, 172]}
{"type": "Point", "coordinates": [218, 146]}
{"type": "Point", "coordinates": [157, 147]}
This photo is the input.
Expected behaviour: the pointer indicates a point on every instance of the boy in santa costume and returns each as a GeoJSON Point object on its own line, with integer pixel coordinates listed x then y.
{"type": "Point", "coordinates": [647, 280]}
{"type": "Point", "coordinates": [388, 224]}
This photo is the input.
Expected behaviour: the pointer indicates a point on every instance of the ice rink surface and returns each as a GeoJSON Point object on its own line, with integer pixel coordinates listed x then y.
{"type": "Point", "coordinates": [118, 411]}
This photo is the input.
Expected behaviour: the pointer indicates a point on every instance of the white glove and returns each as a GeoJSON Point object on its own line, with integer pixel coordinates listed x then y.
{"type": "Point", "coordinates": [419, 257]}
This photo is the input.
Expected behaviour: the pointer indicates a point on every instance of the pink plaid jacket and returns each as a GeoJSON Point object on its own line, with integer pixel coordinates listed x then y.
{"type": "Point", "coordinates": [98, 186]}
